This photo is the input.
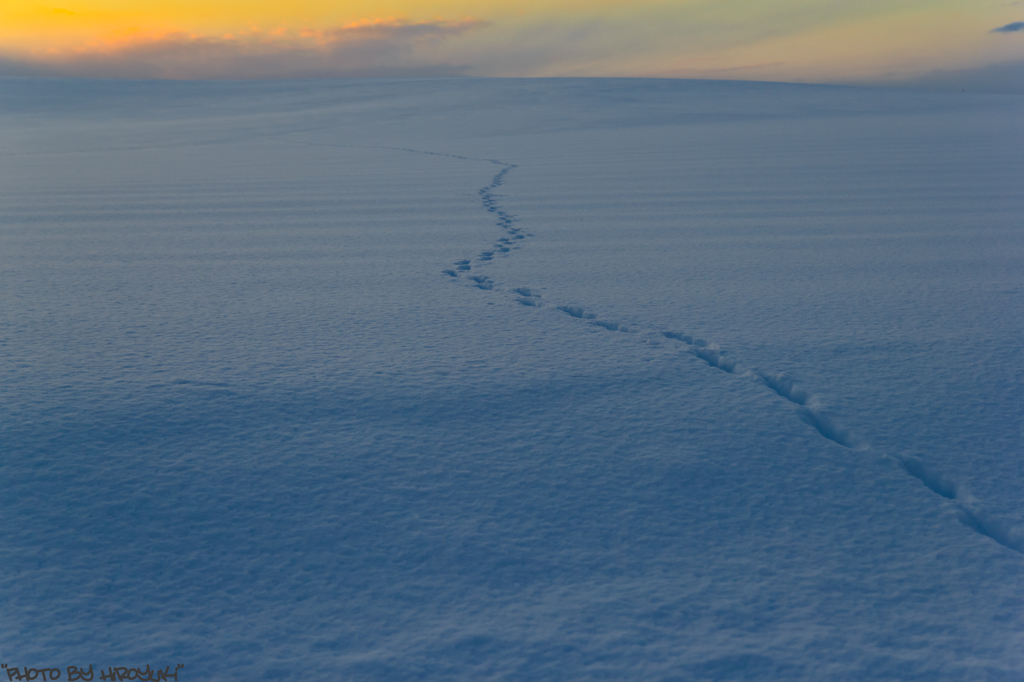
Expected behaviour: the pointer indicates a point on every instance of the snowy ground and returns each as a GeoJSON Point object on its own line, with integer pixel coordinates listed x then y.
{"type": "Point", "coordinates": [518, 380]}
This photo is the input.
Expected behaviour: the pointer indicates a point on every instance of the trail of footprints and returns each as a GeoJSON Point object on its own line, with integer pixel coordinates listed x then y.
{"type": "Point", "coordinates": [808, 407]}
{"type": "Point", "coordinates": [505, 222]}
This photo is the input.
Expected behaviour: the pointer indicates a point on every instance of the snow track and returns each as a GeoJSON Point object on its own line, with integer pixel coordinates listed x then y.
{"type": "Point", "coordinates": [809, 407]}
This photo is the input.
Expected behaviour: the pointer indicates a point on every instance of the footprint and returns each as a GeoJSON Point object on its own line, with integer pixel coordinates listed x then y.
{"type": "Point", "coordinates": [829, 427]}
{"type": "Point", "coordinates": [935, 481]}
{"type": "Point", "coordinates": [685, 338]}
{"type": "Point", "coordinates": [784, 386]}
{"type": "Point", "coordinates": [575, 311]}
{"type": "Point", "coordinates": [714, 358]}
{"type": "Point", "coordinates": [482, 282]}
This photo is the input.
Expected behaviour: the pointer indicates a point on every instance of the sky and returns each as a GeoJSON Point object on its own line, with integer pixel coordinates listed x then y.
{"type": "Point", "coordinates": [944, 43]}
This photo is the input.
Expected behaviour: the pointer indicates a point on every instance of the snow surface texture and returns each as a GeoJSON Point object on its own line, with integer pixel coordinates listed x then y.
{"type": "Point", "coordinates": [546, 380]}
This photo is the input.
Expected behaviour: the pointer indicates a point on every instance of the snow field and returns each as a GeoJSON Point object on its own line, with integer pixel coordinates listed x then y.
{"type": "Point", "coordinates": [742, 403]}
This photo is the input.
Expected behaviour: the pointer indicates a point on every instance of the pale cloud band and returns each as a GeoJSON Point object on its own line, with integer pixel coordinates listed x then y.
{"type": "Point", "coordinates": [378, 48]}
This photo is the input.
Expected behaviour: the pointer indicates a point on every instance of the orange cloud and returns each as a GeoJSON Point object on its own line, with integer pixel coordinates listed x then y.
{"type": "Point", "coordinates": [376, 47]}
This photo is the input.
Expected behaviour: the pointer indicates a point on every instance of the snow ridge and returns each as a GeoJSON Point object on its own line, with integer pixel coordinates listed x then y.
{"type": "Point", "coordinates": [810, 408]}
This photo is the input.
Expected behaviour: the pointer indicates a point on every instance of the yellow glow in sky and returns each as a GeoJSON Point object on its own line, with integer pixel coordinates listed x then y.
{"type": "Point", "coordinates": [804, 40]}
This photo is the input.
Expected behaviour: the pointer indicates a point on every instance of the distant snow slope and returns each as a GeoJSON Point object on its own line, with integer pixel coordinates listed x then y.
{"type": "Point", "coordinates": [518, 380]}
